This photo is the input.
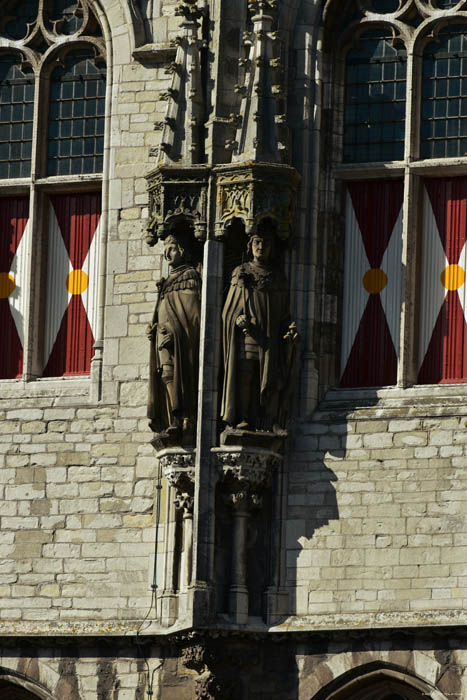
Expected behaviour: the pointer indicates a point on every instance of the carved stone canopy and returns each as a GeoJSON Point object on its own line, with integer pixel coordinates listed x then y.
{"type": "Point", "coordinates": [255, 191]}
{"type": "Point", "coordinates": [177, 194]}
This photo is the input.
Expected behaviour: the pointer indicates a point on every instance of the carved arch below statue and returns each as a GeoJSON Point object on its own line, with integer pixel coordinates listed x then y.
{"type": "Point", "coordinates": [379, 681]}
{"type": "Point", "coordinates": [15, 686]}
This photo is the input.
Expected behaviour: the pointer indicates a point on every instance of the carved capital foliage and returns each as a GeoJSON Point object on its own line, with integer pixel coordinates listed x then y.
{"type": "Point", "coordinates": [253, 192]}
{"type": "Point", "coordinates": [193, 657]}
{"type": "Point", "coordinates": [245, 472]}
{"type": "Point", "coordinates": [207, 687]}
{"type": "Point", "coordinates": [179, 469]}
{"type": "Point", "coordinates": [177, 194]}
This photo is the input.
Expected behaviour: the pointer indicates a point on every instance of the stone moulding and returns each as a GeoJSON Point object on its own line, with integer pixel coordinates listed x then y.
{"type": "Point", "coordinates": [245, 471]}
{"type": "Point", "coordinates": [255, 191]}
{"type": "Point", "coordinates": [178, 467]}
{"type": "Point", "coordinates": [177, 194]}
{"type": "Point", "coordinates": [246, 191]}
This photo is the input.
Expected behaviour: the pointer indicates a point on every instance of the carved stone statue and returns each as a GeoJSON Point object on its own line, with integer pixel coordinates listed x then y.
{"type": "Point", "coordinates": [174, 336]}
{"type": "Point", "coordinates": [259, 343]}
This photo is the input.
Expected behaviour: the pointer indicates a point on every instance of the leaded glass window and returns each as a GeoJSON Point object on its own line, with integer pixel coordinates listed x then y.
{"type": "Point", "coordinates": [52, 123]}
{"type": "Point", "coordinates": [19, 16]}
{"type": "Point", "coordinates": [385, 5]}
{"type": "Point", "coordinates": [76, 118]}
{"type": "Point", "coordinates": [374, 119]}
{"type": "Point", "coordinates": [444, 108]}
{"type": "Point", "coordinates": [16, 118]}
{"type": "Point", "coordinates": [404, 167]}
{"type": "Point", "coordinates": [68, 15]}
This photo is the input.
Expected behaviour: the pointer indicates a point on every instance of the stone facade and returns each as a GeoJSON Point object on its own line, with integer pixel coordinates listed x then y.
{"type": "Point", "coordinates": [125, 575]}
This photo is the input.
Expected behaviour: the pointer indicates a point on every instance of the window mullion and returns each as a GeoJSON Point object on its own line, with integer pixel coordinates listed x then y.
{"type": "Point", "coordinates": [407, 368]}
{"type": "Point", "coordinates": [33, 274]}
{"type": "Point", "coordinates": [35, 263]}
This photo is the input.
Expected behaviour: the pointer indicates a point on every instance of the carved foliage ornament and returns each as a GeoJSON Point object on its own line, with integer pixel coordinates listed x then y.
{"type": "Point", "coordinates": [177, 194]}
{"type": "Point", "coordinates": [245, 473]}
{"type": "Point", "coordinates": [255, 192]}
{"type": "Point", "coordinates": [179, 469]}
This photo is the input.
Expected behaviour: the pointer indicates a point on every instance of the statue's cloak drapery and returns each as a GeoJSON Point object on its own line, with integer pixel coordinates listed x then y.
{"type": "Point", "coordinates": [180, 293]}
{"type": "Point", "coordinates": [260, 293]}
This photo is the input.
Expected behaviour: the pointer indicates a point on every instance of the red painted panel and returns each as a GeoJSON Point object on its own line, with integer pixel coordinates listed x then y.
{"type": "Point", "coordinates": [373, 359]}
{"type": "Point", "coordinates": [78, 217]}
{"type": "Point", "coordinates": [14, 214]}
{"type": "Point", "coordinates": [73, 349]}
{"type": "Point", "coordinates": [448, 199]}
{"type": "Point", "coordinates": [446, 357]}
{"type": "Point", "coordinates": [377, 206]}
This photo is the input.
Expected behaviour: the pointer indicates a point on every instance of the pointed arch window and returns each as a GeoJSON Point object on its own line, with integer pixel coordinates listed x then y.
{"type": "Point", "coordinates": [52, 129]}
{"type": "Point", "coordinates": [403, 164]}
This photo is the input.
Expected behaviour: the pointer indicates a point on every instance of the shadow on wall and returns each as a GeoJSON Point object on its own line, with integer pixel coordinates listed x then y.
{"type": "Point", "coordinates": [325, 451]}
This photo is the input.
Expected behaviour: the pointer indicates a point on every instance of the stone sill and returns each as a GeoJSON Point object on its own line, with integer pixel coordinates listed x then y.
{"type": "Point", "coordinates": [431, 400]}
{"type": "Point", "coordinates": [297, 625]}
{"type": "Point", "coordinates": [163, 52]}
{"type": "Point", "coordinates": [44, 388]}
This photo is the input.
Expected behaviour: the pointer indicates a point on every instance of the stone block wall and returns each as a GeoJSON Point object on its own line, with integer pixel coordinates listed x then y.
{"type": "Point", "coordinates": [77, 474]}
{"type": "Point", "coordinates": [377, 510]}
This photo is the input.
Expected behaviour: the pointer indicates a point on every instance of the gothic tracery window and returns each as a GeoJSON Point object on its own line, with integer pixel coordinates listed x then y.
{"type": "Point", "coordinates": [404, 165]}
{"type": "Point", "coordinates": [52, 124]}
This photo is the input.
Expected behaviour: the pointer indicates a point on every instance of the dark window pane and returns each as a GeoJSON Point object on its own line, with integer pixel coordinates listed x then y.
{"type": "Point", "coordinates": [75, 86]}
{"type": "Point", "coordinates": [25, 12]}
{"type": "Point", "coordinates": [66, 11]}
{"type": "Point", "coordinates": [16, 113]}
{"type": "Point", "coordinates": [374, 114]}
{"type": "Point", "coordinates": [444, 75]}
{"type": "Point", "coordinates": [385, 5]}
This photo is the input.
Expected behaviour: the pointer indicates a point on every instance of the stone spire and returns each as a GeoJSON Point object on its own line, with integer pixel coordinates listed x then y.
{"type": "Point", "coordinates": [261, 123]}
{"type": "Point", "coordinates": [182, 133]}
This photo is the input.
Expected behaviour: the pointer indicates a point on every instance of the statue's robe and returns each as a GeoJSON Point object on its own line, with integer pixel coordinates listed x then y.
{"type": "Point", "coordinates": [261, 293]}
{"type": "Point", "coordinates": [179, 303]}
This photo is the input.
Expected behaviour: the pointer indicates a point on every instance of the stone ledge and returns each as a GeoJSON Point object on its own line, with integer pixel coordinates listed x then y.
{"type": "Point", "coordinates": [163, 52]}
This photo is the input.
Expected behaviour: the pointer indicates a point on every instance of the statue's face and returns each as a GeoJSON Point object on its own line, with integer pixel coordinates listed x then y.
{"type": "Point", "coordinates": [261, 248]}
{"type": "Point", "coordinates": [172, 252]}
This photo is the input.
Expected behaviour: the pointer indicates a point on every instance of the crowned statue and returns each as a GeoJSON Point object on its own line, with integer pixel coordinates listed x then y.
{"type": "Point", "coordinates": [259, 340]}
{"type": "Point", "coordinates": [174, 338]}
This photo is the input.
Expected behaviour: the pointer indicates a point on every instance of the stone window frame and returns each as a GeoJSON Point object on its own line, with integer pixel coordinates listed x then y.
{"type": "Point", "coordinates": [411, 169]}
{"type": "Point", "coordinates": [37, 187]}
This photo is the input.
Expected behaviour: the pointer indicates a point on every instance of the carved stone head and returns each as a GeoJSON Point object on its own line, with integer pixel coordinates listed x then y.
{"type": "Point", "coordinates": [261, 245]}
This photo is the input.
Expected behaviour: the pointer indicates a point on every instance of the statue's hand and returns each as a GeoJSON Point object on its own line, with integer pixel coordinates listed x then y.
{"type": "Point", "coordinates": [151, 330]}
{"type": "Point", "coordinates": [167, 341]}
{"type": "Point", "coordinates": [243, 323]}
{"type": "Point", "coordinates": [292, 336]}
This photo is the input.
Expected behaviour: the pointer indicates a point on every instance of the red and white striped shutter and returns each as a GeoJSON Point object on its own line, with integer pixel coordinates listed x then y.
{"type": "Point", "coordinates": [14, 252]}
{"type": "Point", "coordinates": [72, 276]}
{"type": "Point", "coordinates": [372, 284]}
{"type": "Point", "coordinates": [443, 328]}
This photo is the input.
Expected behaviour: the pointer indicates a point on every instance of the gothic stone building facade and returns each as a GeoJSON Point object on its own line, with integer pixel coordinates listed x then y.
{"type": "Point", "coordinates": [278, 190]}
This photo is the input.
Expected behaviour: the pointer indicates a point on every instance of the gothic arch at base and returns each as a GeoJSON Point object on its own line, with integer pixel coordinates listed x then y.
{"type": "Point", "coordinates": [12, 687]}
{"type": "Point", "coordinates": [378, 682]}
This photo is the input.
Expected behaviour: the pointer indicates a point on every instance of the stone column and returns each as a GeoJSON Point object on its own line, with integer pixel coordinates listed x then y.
{"type": "Point", "coordinates": [178, 469]}
{"type": "Point", "coordinates": [245, 473]}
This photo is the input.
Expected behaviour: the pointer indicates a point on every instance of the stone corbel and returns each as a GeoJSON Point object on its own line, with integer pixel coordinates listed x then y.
{"type": "Point", "coordinates": [195, 657]}
{"type": "Point", "coordinates": [255, 191]}
{"type": "Point", "coordinates": [177, 194]}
